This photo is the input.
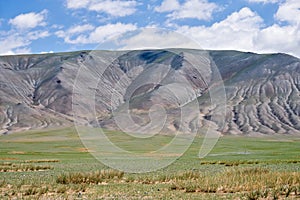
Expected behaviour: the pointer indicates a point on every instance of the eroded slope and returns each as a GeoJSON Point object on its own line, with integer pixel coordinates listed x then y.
{"type": "Point", "coordinates": [262, 90]}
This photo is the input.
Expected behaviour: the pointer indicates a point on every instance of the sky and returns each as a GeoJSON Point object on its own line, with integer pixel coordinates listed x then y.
{"type": "Point", "coordinates": [46, 26]}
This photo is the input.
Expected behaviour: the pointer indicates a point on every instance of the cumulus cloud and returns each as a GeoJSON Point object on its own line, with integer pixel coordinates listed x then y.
{"type": "Point", "coordinates": [108, 31]}
{"type": "Point", "coordinates": [244, 30]}
{"type": "Point", "coordinates": [29, 20]}
{"type": "Point", "coordinates": [87, 34]}
{"type": "Point", "coordinates": [80, 28]}
{"type": "Point", "coordinates": [279, 39]}
{"type": "Point", "coordinates": [10, 43]}
{"type": "Point", "coordinates": [241, 30]}
{"type": "Point", "coordinates": [197, 9]}
{"type": "Point", "coordinates": [76, 4]}
{"type": "Point", "coordinates": [168, 5]}
{"type": "Point", "coordinates": [154, 38]}
{"type": "Point", "coordinates": [23, 32]}
{"type": "Point", "coordinates": [16, 43]}
{"type": "Point", "coordinates": [235, 32]}
{"type": "Point", "coordinates": [115, 8]}
{"type": "Point", "coordinates": [289, 11]}
{"type": "Point", "coordinates": [74, 31]}
{"type": "Point", "coordinates": [118, 8]}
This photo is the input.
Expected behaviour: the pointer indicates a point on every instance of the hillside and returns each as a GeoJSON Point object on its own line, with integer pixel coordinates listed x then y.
{"type": "Point", "coordinates": [262, 91]}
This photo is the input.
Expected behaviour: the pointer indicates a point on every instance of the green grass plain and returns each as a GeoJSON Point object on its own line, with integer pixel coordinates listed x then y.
{"type": "Point", "coordinates": [53, 164]}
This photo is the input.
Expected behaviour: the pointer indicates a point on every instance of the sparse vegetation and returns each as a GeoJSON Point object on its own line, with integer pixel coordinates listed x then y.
{"type": "Point", "coordinates": [58, 170]}
{"type": "Point", "coordinates": [41, 161]}
{"type": "Point", "coordinates": [23, 167]}
{"type": "Point", "coordinates": [247, 162]}
{"type": "Point", "coordinates": [255, 182]}
{"type": "Point", "coordinates": [89, 178]}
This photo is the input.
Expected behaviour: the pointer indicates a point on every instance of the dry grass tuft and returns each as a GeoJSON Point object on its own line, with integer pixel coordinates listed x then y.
{"type": "Point", "coordinates": [255, 182]}
{"type": "Point", "coordinates": [230, 163]}
{"type": "Point", "coordinates": [42, 161]}
{"type": "Point", "coordinates": [10, 167]}
{"type": "Point", "coordinates": [89, 178]}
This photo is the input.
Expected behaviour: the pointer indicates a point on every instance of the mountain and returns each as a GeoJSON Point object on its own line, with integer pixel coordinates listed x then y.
{"type": "Point", "coordinates": [261, 91]}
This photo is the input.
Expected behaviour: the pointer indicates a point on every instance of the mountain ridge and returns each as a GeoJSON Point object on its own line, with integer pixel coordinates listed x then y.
{"type": "Point", "coordinates": [262, 89]}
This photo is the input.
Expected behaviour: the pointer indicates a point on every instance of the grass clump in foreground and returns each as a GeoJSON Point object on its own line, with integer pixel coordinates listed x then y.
{"type": "Point", "coordinates": [249, 183]}
{"type": "Point", "coordinates": [89, 177]}
{"type": "Point", "coordinates": [254, 183]}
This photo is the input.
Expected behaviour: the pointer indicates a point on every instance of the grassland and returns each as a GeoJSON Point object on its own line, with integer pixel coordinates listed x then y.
{"type": "Point", "coordinates": [54, 164]}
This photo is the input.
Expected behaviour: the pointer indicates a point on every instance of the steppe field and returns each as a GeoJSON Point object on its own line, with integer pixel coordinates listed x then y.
{"type": "Point", "coordinates": [53, 164]}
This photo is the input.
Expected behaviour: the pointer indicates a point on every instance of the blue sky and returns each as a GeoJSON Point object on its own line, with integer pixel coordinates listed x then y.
{"type": "Point", "coordinates": [39, 26]}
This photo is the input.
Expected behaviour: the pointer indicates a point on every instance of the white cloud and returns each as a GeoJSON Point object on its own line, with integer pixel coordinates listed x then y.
{"type": "Point", "coordinates": [236, 31]}
{"type": "Point", "coordinates": [74, 31]}
{"type": "Point", "coordinates": [115, 8]}
{"type": "Point", "coordinates": [197, 9]}
{"type": "Point", "coordinates": [61, 34]}
{"type": "Point", "coordinates": [46, 52]}
{"type": "Point", "coordinates": [76, 4]}
{"type": "Point", "coordinates": [153, 38]}
{"type": "Point", "coordinates": [244, 30]}
{"type": "Point", "coordinates": [168, 5]}
{"type": "Point", "coordinates": [37, 35]}
{"type": "Point", "coordinates": [81, 28]}
{"type": "Point", "coordinates": [279, 39]}
{"type": "Point", "coordinates": [118, 8]}
{"type": "Point", "coordinates": [17, 40]}
{"type": "Point", "coordinates": [16, 43]}
{"type": "Point", "coordinates": [243, 20]}
{"type": "Point", "coordinates": [289, 11]}
{"type": "Point", "coordinates": [29, 20]}
{"type": "Point", "coordinates": [10, 43]}
{"type": "Point", "coordinates": [96, 35]}
{"type": "Point", "coordinates": [25, 50]}
{"type": "Point", "coordinates": [103, 33]}
{"type": "Point", "coordinates": [264, 1]}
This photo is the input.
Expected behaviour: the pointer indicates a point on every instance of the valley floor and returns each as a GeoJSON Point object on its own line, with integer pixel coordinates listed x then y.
{"type": "Point", "coordinates": [53, 164]}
